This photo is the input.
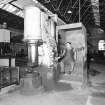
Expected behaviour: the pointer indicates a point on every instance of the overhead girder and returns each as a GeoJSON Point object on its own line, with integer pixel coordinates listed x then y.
{"type": "Point", "coordinates": [6, 1]}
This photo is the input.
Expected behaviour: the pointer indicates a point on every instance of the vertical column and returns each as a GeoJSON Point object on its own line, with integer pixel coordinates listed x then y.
{"type": "Point", "coordinates": [32, 32]}
{"type": "Point", "coordinates": [33, 53]}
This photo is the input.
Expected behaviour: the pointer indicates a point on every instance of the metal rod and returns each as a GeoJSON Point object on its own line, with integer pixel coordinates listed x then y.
{"type": "Point", "coordinates": [73, 8]}
{"type": "Point", "coordinates": [85, 17]}
{"type": "Point", "coordinates": [88, 16]}
{"type": "Point", "coordinates": [85, 11]}
{"type": "Point", "coordinates": [79, 10]}
{"type": "Point", "coordinates": [12, 1]}
{"type": "Point", "coordinates": [57, 9]}
{"type": "Point", "coordinates": [74, 5]}
{"type": "Point", "coordinates": [67, 7]}
{"type": "Point", "coordinates": [16, 6]}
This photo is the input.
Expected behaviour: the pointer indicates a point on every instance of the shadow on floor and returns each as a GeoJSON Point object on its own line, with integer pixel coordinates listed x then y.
{"type": "Point", "coordinates": [98, 94]}
{"type": "Point", "coordinates": [60, 86]}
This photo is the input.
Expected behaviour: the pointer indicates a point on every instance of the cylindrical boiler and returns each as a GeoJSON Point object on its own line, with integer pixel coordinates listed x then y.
{"type": "Point", "coordinates": [32, 23]}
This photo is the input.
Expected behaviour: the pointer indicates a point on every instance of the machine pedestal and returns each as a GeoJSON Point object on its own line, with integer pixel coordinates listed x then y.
{"type": "Point", "coordinates": [31, 84]}
{"type": "Point", "coordinates": [48, 78]}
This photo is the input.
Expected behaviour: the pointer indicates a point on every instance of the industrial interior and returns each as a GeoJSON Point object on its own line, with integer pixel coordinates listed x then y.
{"type": "Point", "coordinates": [52, 52]}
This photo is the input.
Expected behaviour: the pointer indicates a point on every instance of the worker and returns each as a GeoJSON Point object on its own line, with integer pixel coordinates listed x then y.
{"type": "Point", "coordinates": [66, 58]}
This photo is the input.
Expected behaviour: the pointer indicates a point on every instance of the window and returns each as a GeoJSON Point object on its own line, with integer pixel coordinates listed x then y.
{"type": "Point", "coordinates": [101, 45]}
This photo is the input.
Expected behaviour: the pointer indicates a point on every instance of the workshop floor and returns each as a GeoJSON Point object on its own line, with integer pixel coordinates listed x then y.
{"type": "Point", "coordinates": [54, 97]}
{"type": "Point", "coordinates": [97, 96]}
{"type": "Point", "coordinates": [66, 93]}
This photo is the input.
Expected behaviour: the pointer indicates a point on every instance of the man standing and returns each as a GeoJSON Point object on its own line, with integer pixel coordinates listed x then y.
{"type": "Point", "coordinates": [69, 60]}
{"type": "Point", "coordinates": [66, 58]}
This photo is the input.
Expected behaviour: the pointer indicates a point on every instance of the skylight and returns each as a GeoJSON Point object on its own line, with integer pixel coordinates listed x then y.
{"type": "Point", "coordinates": [12, 9]}
{"type": "Point", "coordinates": [1, 5]}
